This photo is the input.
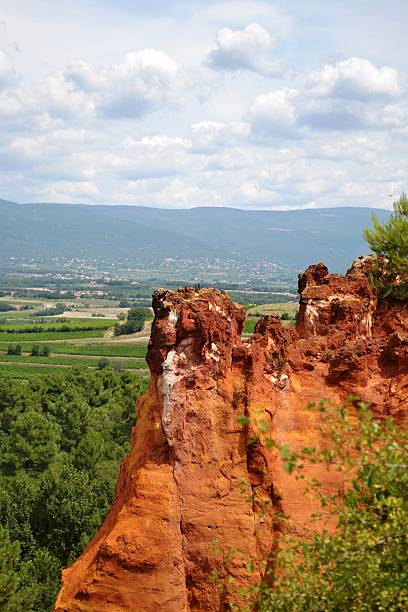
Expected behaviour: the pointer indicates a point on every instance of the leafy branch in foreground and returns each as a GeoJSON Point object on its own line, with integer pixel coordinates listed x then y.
{"type": "Point", "coordinates": [362, 563]}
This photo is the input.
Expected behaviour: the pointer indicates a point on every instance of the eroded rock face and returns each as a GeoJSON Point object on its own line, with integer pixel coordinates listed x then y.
{"type": "Point", "coordinates": [194, 475]}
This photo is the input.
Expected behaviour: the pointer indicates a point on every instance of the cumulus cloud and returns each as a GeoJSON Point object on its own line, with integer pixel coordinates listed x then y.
{"type": "Point", "coordinates": [208, 136]}
{"type": "Point", "coordinates": [7, 72]}
{"type": "Point", "coordinates": [359, 148]}
{"type": "Point", "coordinates": [274, 113]}
{"type": "Point", "coordinates": [152, 156]}
{"type": "Point", "coordinates": [70, 191]}
{"type": "Point", "coordinates": [247, 49]}
{"type": "Point", "coordinates": [355, 78]}
{"type": "Point", "coordinates": [103, 129]}
{"type": "Point", "coordinates": [146, 80]}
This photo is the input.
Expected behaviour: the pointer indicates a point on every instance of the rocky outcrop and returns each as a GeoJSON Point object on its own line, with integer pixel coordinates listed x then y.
{"type": "Point", "coordinates": [197, 483]}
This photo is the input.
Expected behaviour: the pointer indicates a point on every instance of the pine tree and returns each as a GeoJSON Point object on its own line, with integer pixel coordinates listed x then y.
{"type": "Point", "coordinates": [390, 241]}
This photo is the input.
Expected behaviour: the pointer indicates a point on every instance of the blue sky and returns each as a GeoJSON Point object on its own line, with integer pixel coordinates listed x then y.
{"type": "Point", "coordinates": [253, 104]}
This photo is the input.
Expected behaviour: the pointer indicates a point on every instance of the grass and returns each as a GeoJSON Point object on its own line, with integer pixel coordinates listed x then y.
{"type": "Point", "coordinates": [71, 325]}
{"type": "Point", "coordinates": [69, 361]}
{"type": "Point", "coordinates": [27, 372]}
{"type": "Point", "coordinates": [26, 315]}
{"type": "Point", "coordinates": [22, 372]}
{"type": "Point", "coordinates": [100, 350]}
{"type": "Point", "coordinates": [103, 350]}
{"type": "Point", "coordinates": [20, 302]}
{"type": "Point", "coordinates": [274, 309]}
{"type": "Point", "coordinates": [256, 312]}
{"type": "Point", "coordinates": [44, 336]}
{"type": "Point", "coordinates": [249, 326]}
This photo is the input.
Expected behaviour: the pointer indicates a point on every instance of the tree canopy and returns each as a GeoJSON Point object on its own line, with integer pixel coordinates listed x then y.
{"type": "Point", "coordinates": [390, 241]}
{"type": "Point", "coordinates": [62, 438]}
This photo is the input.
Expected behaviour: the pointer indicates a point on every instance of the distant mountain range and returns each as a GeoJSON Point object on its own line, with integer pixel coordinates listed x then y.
{"type": "Point", "coordinates": [139, 235]}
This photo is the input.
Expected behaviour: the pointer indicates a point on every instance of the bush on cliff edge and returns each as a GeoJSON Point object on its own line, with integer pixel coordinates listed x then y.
{"type": "Point", "coordinates": [390, 241]}
{"type": "Point", "coordinates": [363, 564]}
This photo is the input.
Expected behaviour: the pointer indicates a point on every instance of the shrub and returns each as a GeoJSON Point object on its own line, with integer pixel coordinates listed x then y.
{"type": "Point", "coordinates": [102, 363]}
{"type": "Point", "coordinates": [390, 241]}
{"type": "Point", "coordinates": [14, 350]}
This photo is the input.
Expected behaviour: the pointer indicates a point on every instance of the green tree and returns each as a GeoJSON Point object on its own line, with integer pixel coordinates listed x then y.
{"type": "Point", "coordinates": [41, 575]}
{"type": "Point", "coordinates": [35, 351]}
{"type": "Point", "coordinates": [134, 322]}
{"type": "Point", "coordinates": [34, 441]}
{"type": "Point", "coordinates": [102, 363]}
{"type": "Point", "coordinates": [390, 241]}
{"type": "Point", "coordinates": [363, 564]}
{"type": "Point", "coordinates": [62, 439]}
{"type": "Point", "coordinates": [15, 596]}
{"type": "Point", "coordinates": [67, 511]}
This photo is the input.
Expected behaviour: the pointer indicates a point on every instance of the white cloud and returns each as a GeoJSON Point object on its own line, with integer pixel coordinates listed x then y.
{"type": "Point", "coordinates": [208, 136]}
{"type": "Point", "coordinates": [256, 194]}
{"type": "Point", "coordinates": [238, 13]}
{"type": "Point", "coordinates": [60, 98]}
{"type": "Point", "coordinates": [355, 78]}
{"type": "Point", "coordinates": [108, 128]}
{"type": "Point", "coordinates": [247, 49]}
{"type": "Point", "coordinates": [70, 191]}
{"type": "Point", "coordinates": [151, 156]}
{"type": "Point", "coordinates": [174, 193]}
{"type": "Point", "coordinates": [359, 148]}
{"type": "Point", "coordinates": [274, 113]}
{"type": "Point", "coordinates": [145, 81]}
{"type": "Point", "coordinates": [7, 73]}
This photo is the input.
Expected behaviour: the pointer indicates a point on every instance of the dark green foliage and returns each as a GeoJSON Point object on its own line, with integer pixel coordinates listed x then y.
{"type": "Point", "coordinates": [134, 322]}
{"type": "Point", "coordinates": [390, 241]}
{"type": "Point", "coordinates": [58, 309]}
{"type": "Point", "coordinates": [362, 564]}
{"type": "Point", "coordinates": [6, 307]}
{"type": "Point", "coordinates": [35, 351]}
{"type": "Point", "coordinates": [14, 350]}
{"type": "Point", "coordinates": [62, 438]}
{"type": "Point", "coordinates": [29, 586]}
{"type": "Point", "coordinates": [102, 363]}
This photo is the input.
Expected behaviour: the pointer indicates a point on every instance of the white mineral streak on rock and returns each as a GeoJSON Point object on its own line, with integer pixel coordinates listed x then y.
{"type": "Point", "coordinates": [173, 317]}
{"type": "Point", "coordinates": [312, 316]}
{"type": "Point", "coordinates": [166, 383]}
{"type": "Point", "coordinates": [215, 307]}
{"type": "Point", "coordinates": [213, 353]}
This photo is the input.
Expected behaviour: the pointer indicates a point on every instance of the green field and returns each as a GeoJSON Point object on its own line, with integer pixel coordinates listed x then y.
{"type": "Point", "coordinates": [22, 372]}
{"type": "Point", "coordinates": [46, 336]}
{"type": "Point", "coordinates": [70, 361]}
{"type": "Point", "coordinates": [100, 350]}
{"type": "Point", "coordinates": [249, 326]}
{"type": "Point", "coordinates": [24, 315]}
{"type": "Point", "coordinates": [103, 350]}
{"type": "Point", "coordinates": [256, 312]}
{"type": "Point", "coordinates": [274, 309]}
{"type": "Point", "coordinates": [56, 325]}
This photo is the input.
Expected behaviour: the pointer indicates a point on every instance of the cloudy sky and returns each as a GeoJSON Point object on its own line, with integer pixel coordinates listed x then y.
{"type": "Point", "coordinates": [176, 103]}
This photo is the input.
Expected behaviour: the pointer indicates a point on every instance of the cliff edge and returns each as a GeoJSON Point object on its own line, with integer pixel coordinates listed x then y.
{"type": "Point", "coordinates": [194, 476]}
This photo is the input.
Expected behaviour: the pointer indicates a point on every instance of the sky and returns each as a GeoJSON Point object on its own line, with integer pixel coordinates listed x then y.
{"type": "Point", "coordinates": [254, 104]}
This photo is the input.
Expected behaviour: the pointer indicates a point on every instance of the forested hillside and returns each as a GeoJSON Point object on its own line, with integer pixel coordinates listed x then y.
{"type": "Point", "coordinates": [62, 438]}
{"type": "Point", "coordinates": [137, 235]}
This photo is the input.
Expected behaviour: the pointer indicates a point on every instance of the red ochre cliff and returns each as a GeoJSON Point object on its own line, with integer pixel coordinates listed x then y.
{"type": "Point", "coordinates": [191, 477]}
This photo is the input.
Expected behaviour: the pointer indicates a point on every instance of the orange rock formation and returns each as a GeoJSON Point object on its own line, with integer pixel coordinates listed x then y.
{"type": "Point", "coordinates": [191, 477]}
